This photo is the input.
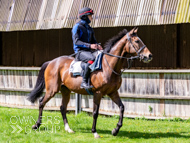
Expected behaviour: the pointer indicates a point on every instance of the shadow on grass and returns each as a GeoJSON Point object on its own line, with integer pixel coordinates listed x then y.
{"type": "Point", "coordinates": [144, 135]}
{"type": "Point", "coordinates": [151, 135]}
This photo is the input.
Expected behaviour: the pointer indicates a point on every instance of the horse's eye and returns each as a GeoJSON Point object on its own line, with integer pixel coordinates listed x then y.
{"type": "Point", "coordinates": [137, 41]}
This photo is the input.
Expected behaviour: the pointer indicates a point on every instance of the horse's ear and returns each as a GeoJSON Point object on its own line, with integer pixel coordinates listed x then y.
{"type": "Point", "coordinates": [135, 30]}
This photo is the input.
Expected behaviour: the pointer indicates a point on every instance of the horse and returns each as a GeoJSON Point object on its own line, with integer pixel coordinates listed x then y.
{"type": "Point", "coordinates": [54, 76]}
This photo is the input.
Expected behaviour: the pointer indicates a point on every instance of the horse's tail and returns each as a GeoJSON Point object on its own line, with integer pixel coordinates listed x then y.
{"type": "Point", "coordinates": [40, 84]}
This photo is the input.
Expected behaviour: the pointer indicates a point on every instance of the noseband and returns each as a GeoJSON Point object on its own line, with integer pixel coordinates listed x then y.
{"type": "Point", "coordinates": [129, 60]}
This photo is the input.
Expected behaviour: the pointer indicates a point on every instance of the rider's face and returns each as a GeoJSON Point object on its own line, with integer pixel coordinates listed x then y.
{"type": "Point", "coordinates": [90, 17]}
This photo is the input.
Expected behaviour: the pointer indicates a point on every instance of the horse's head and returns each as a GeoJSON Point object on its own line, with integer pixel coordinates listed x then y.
{"type": "Point", "coordinates": [135, 46]}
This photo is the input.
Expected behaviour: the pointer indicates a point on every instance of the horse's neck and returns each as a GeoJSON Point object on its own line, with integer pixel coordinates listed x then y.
{"type": "Point", "coordinates": [114, 62]}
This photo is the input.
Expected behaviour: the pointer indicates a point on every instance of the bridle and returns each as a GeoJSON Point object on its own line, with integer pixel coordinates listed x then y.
{"type": "Point", "coordinates": [129, 60]}
{"type": "Point", "coordinates": [137, 51]}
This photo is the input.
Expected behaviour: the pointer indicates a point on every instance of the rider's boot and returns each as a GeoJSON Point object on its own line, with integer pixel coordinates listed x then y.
{"type": "Point", "coordinates": [86, 74]}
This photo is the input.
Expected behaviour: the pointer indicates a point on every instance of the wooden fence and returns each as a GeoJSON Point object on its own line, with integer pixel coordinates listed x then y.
{"type": "Point", "coordinates": [149, 93]}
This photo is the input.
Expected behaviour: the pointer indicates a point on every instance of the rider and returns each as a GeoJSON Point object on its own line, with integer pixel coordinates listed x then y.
{"type": "Point", "coordinates": [84, 43]}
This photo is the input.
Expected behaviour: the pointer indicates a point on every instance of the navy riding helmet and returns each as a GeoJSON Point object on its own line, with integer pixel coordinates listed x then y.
{"type": "Point", "coordinates": [85, 11]}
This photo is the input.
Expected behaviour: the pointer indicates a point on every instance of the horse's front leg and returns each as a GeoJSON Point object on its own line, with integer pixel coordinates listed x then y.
{"type": "Point", "coordinates": [96, 105]}
{"type": "Point", "coordinates": [115, 98]}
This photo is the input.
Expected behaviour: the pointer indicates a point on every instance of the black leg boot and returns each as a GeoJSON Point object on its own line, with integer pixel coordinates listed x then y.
{"type": "Point", "coordinates": [86, 74]}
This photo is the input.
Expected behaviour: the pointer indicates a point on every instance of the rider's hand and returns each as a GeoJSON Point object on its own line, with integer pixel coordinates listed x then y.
{"type": "Point", "coordinates": [94, 46]}
{"type": "Point", "coordinates": [100, 47]}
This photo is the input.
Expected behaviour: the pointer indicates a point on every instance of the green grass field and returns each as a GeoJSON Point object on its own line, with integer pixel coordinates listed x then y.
{"type": "Point", "coordinates": [15, 126]}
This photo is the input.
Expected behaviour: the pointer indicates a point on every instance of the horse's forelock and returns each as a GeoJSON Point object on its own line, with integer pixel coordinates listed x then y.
{"type": "Point", "coordinates": [111, 42]}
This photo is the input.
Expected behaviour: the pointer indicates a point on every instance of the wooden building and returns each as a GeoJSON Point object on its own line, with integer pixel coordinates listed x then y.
{"type": "Point", "coordinates": [35, 31]}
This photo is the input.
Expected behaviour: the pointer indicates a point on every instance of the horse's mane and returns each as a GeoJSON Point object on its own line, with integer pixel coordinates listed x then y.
{"type": "Point", "coordinates": [111, 42]}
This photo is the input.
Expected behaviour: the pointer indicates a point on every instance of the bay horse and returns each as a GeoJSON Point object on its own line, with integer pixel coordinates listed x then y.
{"type": "Point", "coordinates": [54, 76]}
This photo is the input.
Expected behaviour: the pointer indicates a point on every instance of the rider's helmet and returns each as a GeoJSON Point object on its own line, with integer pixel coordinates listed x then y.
{"type": "Point", "coordinates": [85, 11]}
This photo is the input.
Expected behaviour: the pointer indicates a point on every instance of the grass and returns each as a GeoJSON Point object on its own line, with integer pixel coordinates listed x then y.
{"type": "Point", "coordinates": [133, 130]}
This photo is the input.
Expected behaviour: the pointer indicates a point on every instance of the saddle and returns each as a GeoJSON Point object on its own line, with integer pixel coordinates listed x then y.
{"type": "Point", "coordinates": [76, 69]}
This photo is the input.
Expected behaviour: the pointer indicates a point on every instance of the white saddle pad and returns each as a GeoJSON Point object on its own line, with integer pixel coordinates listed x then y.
{"type": "Point", "coordinates": [75, 67]}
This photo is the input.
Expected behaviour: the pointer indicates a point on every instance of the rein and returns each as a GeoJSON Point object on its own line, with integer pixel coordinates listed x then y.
{"type": "Point", "coordinates": [129, 60]}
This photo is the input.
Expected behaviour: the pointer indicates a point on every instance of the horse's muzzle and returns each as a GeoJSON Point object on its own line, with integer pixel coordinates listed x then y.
{"type": "Point", "coordinates": [147, 59]}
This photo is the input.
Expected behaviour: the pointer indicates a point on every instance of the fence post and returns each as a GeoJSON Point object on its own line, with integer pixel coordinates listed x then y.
{"type": "Point", "coordinates": [78, 103]}
{"type": "Point", "coordinates": [162, 93]}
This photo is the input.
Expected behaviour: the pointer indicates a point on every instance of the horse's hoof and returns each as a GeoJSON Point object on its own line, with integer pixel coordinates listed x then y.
{"type": "Point", "coordinates": [35, 127]}
{"type": "Point", "coordinates": [114, 132]}
{"type": "Point", "coordinates": [70, 131]}
{"type": "Point", "coordinates": [96, 135]}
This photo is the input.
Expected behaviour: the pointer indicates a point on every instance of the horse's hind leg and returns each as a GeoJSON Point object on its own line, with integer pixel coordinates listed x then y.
{"type": "Point", "coordinates": [65, 100]}
{"type": "Point", "coordinates": [38, 123]}
{"type": "Point", "coordinates": [50, 92]}
{"type": "Point", "coordinates": [115, 98]}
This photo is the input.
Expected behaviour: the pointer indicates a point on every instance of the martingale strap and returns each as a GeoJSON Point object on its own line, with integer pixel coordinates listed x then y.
{"type": "Point", "coordinates": [89, 91]}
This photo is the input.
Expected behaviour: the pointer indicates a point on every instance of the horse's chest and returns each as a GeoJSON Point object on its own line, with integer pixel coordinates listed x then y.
{"type": "Point", "coordinates": [106, 84]}
{"type": "Point", "coordinates": [113, 84]}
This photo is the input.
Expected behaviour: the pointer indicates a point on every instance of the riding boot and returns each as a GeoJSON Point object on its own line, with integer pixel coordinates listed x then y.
{"type": "Point", "coordinates": [86, 74]}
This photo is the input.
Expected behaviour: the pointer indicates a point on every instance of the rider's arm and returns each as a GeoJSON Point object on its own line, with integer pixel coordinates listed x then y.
{"type": "Point", "coordinates": [93, 40]}
{"type": "Point", "coordinates": [76, 37]}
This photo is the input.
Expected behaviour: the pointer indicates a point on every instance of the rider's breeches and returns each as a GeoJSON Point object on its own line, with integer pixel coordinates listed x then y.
{"type": "Point", "coordinates": [85, 56]}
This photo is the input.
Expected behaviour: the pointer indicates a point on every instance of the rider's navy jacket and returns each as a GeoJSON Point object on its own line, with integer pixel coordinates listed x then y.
{"type": "Point", "coordinates": [83, 36]}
